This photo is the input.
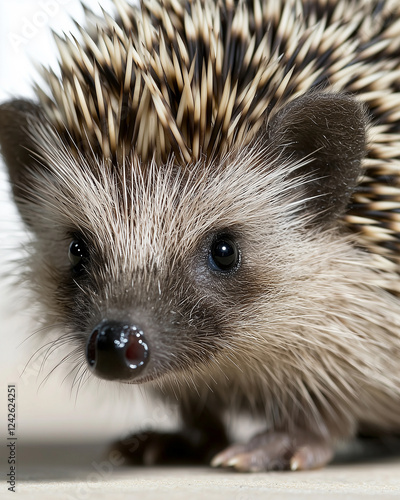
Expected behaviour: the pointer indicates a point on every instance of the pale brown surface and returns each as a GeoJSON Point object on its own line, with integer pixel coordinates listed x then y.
{"type": "Point", "coordinates": [81, 472]}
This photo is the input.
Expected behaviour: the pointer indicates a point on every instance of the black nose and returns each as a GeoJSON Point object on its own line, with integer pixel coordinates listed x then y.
{"type": "Point", "coordinates": [117, 351]}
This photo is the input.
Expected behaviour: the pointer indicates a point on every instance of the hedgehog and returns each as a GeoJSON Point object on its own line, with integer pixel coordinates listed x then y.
{"type": "Point", "coordinates": [212, 190]}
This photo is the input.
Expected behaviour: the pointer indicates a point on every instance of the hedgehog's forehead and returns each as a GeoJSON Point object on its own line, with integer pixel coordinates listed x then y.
{"type": "Point", "coordinates": [139, 218]}
{"type": "Point", "coordinates": [164, 200]}
{"type": "Point", "coordinates": [164, 207]}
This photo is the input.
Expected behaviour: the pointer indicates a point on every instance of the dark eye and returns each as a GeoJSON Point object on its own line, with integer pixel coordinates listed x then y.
{"type": "Point", "coordinates": [224, 254]}
{"type": "Point", "coordinates": [77, 253]}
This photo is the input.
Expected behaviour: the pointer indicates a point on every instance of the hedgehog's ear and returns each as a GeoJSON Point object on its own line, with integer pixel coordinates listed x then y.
{"type": "Point", "coordinates": [16, 143]}
{"type": "Point", "coordinates": [328, 131]}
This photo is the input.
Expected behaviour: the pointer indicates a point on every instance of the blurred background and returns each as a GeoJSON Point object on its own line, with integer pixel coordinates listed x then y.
{"type": "Point", "coordinates": [48, 406]}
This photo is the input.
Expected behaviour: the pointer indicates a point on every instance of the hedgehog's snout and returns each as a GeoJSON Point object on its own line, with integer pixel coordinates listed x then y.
{"type": "Point", "coordinates": [117, 350]}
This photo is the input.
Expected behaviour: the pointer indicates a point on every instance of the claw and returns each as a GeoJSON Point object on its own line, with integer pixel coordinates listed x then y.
{"type": "Point", "coordinates": [217, 460]}
{"type": "Point", "coordinates": [277, 451]}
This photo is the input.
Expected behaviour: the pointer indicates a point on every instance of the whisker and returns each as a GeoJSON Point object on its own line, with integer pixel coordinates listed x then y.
{"type": "Point", "coordinates": [40, 330]}
{"type": "Point", "coordinates": [54, 368]}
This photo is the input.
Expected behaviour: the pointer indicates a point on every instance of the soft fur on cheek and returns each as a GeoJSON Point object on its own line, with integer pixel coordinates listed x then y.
{"type": "Point", "coordinates": [299, 351]}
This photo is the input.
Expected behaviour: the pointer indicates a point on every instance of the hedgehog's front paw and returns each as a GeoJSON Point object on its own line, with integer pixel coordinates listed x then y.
{"type": "Point", "coordinates": [277, 451]}
{"type": "Point", "coordinates": [156, 448]}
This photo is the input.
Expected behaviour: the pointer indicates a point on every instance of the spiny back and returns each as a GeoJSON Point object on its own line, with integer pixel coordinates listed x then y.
{"type": "Point", "coordinates": [196, 78]}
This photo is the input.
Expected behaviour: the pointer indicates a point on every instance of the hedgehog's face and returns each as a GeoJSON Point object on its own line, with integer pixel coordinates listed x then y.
{"type": "Point", "coordinates": [135, 337]}
{"type": "Point", "coordinates": [151, 272]}
{"type": "Point", "coordinates": [162, 307]}
{"type": "Point", "coordinates": [156, 270]}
